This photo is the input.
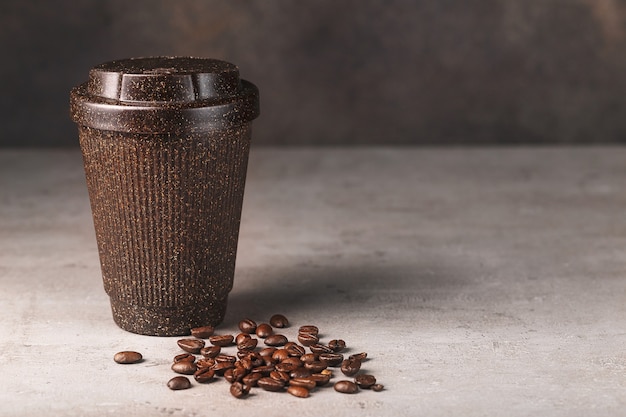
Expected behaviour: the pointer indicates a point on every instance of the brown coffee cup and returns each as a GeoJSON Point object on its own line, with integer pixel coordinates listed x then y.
{"type": "Point", "coordinates": [165, 144]}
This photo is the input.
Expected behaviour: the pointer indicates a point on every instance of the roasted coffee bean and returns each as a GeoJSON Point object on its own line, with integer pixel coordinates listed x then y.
{"type": "Point", "coordinates": [229, 376]}
{"type": "Point", "coordinates": [337, 345]}
{"type": "Point", "coordinates": [331, 359]}
{"type": "Point", "coordinates": [241, 337]}
{"type": "Point", "coordinates": [315, 366]}
{"type": "Point", "coordinates": [358, 356]}
{"type": "Point", "coordinates": [264, 369]}
{"type": "Point", "coordinates": [280, 355]}
{"type": "Point", "coordinates": [210, 351]}
{"type": "Point", "coordinates": [247, 344]}
{"type": "Point", "coordinates": [300, 373]}
{"type": "Point", "coordinates": [204, 375]}
{"type": "Point", "coordinates": [350, 367]}
{"type": "Point", "coordinates": [293, 360]}
{"type": "Point", "coordinates": [191, 345]}
{"type": "Point", "coordinates": [239, 390]}
{"type": "Point", "coordinates": [184, 367]}
{"type": "Point", "coordinates": [268, 351]}
{"type": "Point", "coordinates": [285, 366]}
{"type": "Point", "coordinates": [320, 379]}
{"type": "Point", "coordinates": [269, 384]}
{"type": "Point", "coordinates": [202, 332]}
{"type": "Point", "coordinates": [225, 358]}
{"type": "Point", "coordinates": [327, 372]}
{"type": "Point", "coordinates": [251, 379]}
{"type": "Point", "coordinates": [346, 387]}
{"type": "Point", "coordinates": [298, 391]}
{"type": "Point", "coordinates": [127, 357]}
{"type": "Point", "coordinates": [178, 382]}
{"type": "Point", "coordinates": [280, 376]}
{"type": "Point", "coordinates": [377, 387]}
{"type": "Point", "coordinates": [247, 326]}
{"type": "Point", "coordinates": [239, 372]}
{"type": "Point", "coordinates": [254, 358]}
{"type": "Point", "coordinates": [365, 380]}
{"type": "Point", "coordinates": [184, 357]}
{"type": "Point", "coordinates": [307, 383]}
{"type": "Point", "coordinates": [294, 349]}
{"type": "Point", "coordinates": [310, 329]}
{"type": "Point", "coordinates": [279, 321]}
{"type": "Point", "coordinates": [205, 363]}
{"type": "Point", "coordinates": [222, 340]}
{"type": "Point", "coordinates": [307, 339]}
{"type": "Point", "coordinates": [320, 348]}
{"type": "Point", "coordinates": [309, 357]}
{"type": "Point", "coordinates": [276, 340]}
{"type": "Point", "coordinates": [263, 330]}
{"type": "Point", "coordinates": [221, 367]}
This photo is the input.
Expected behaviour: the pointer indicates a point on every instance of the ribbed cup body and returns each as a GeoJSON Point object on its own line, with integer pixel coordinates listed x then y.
{"type": "Point", "coordinates": [166, 211]}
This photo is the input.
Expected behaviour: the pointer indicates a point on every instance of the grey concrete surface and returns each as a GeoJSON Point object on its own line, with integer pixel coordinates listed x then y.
{"type": "Point", "coordinates": [482, 282]}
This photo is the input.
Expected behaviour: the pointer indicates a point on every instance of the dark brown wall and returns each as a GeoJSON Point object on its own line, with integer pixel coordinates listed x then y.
{"type": "Point", "coordinates": [343, 72]}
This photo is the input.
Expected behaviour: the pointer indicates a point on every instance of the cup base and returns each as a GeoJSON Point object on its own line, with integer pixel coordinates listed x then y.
{"type": "Point", "coordinates": [167, 321]}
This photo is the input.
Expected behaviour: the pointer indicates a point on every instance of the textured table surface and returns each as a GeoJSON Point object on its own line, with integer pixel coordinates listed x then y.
{"type": "Point", "coordinates": [486, 281]}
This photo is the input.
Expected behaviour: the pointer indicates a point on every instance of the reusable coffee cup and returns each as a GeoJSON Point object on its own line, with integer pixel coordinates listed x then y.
{"type": "Point", "coordinates": [165, 144]}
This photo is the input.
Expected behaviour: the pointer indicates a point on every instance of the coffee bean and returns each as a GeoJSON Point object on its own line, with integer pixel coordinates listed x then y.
{"type": "Point", "coordinates": [280, 376]}
{"type": "Point", "coordinates": [294, 349]}
{"type": "Point", "coordinates": [263, 330]}
{"type": "Point", "coordinates": [269, 384]}
{"type": "Point", "coordinates": [251, 379]}
{"type": "Point", "coordinates": [205, 363]}
{"type": "Point", "coordinates": [184, 367]}
{"type": "Point", "coordinates": [238, 390]}
{"type": "Point", "coordinates": [300, 373]}
{"type": "Point", "coordinates": [225, 358]}
{"type": "Point", "coordinates": [268, 351]}
{"type": "Point", "coordinates": [280, 355]}
{"type": "Point", "coordinates": [179, 382]}
{"type": "Point", "coordinates": [350, 367]}
{"type": "Point", "coordinates": [221, 367]}
{"type": "Point", "coordinates": [184, 357]}
{"type": "Point", "coordinates": [293, 360]}
{"type": "Point", "coordinates": [346, 387]}
{"type": "Point", "coordinates": [331, 359]}
{"type": "Point", "coordinates": [247, 326]}
{"type": "Point", "coordinates": [202, 332]}
{"type": "Point", "coordinates": [320, 348]}
{"type": "Point", "coordinates": [377, 387]}
{"type": "Point", "coordinates": [309, 357]}
{"type": "Point", "coordinates": [310, 329]}
{"type": "Point", "coordinates": [320, 379]}
{"type": "Point", "coordinates": [239, 372]}
{"type": "Point", "coordinates": [279, 321]}
{"type": "Point", "coordinates": [315, 366]}
{"type": "Point", "coordinates": [307, 383]}
{"type": "Point", "coordinates": [210, 351]}
{"type": "Point", "coordinates": [298, 391]}
{"type": "Point", "coordinates": [264, 370]}
{"type": "Point", "coordinates": [204, 375]}
{"type": "Point", "coordinates": [228, 375]}
{"type": "Point", "coordinates": [248, 344]}
{"type": "Point", "coordinates": [127, 357]}
{"type": "Point", "coordinates": [191, 345]}
{"type": "Point", "coordinates": [358, 356]}
{"type": "Point", "coordinates": [327, 372]}
{"type": "Point", "coordinates": [365, 380]}
{"type": "Point", "coordinates": [286, 366]}
{"type": "Point", "coordinates": [307, 339]}
{"type": "Point", "coordinates": [241, 337]}
{"type": "Point", "coordinates": [337, 345]}
{"type": "Point", "coordinates": [276, 340]}
{"type": "Point", "coordinates": [222, 340]}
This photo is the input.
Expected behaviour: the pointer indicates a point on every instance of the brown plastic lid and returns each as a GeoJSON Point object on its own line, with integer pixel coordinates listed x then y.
{"type": "Point", "coordinates": [164, 94]}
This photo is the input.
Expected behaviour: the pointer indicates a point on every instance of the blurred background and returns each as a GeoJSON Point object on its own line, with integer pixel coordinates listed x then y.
{"type": "Point", "coordinates": [342, 72]}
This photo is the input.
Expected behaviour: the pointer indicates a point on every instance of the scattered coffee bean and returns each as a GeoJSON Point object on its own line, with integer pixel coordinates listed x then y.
{"type": "Point", "coordinates": [222, 340]}
{"type": "Point", "coordinates": [300, 373]}
{"type": "Point", "coordinates": [365, 380]}
{"type": "Point", "coordinates": [307, 339]}
{"type": "Point", "coordinates": [320, 379]}
{"type": "Point", "coordinates": [280, 376]}
{"type": "Point", "coordinates": [127, 357]}
{"type": "Point", "coordinates": [184, 367]}
{"type": "Point", "coordinates": [298, 391]}
{"type": "Point", "coordinates": [310, 329]}
{"type": "Point", "coordinates": [337, 345]}
{"type": "Point", "coordinates": [377, 387]}
{"type": "Point", "coordinates": [292, 360]}
{"type": "Point", "coordinates": [184, 357]}
{"type": "Point", "coordinates": [327, 372]}
{"type": "Point", "coordinates": [279, 321]}
{"type": "Point", "coordinates": [331, 359]}
{"type": "Point", "coordinates": [247, 326]}
{"type": "Point", "coordinates": [179, 382]}
{"type": "Point", "coordinates": [238, 390]}
{"type": "Point", "coordinates": [204, 375]}
{"type": "Point", "coordinates": [205, 363]}
{"type": "Point", "coordinates": [241, 337]}
{"type": "Point", "coordinates": [358, 356]}
{"type": "Point", "coordinates": [268, 351]}
{"type": "Point", "coordinates": [202, 332]}
{"type": "Point", "coordinates": [350, 367]}
{"type": "Point", "coordinates": [191, 345]}
{"type": "Point", "coordinates": [263, 369]}
{"type": "Point", "coordinates": [269, 384]}
{"type": "Point", "coordinates": [320, 348]}
{"type": "Point", "coordinates": [286, 366]}
{"type": "Point", "coordinates": [307, 382]}
{"type": "Point", "coordinates": [251, 379]}
{"type": "Point", "coordinates": [210, 351]}
{"type": "Point", "coordinates": [346, 387]}
{"type": "Point", "coordinates": [229, 376]}
{"type": "Point", "coordinates": [248, 344]}
{"type": "Point", "coordinates": [309, 357]}
{"type": "Point", "coordinates": [276, 340]}
{"type": "Point", "coordinates": [294, 349]}
{"type": "Point", "coordinates": [315, 366]}
{"type": "Point", "coordinates": [239, 372]}
{"type": "Point", "coordinates": [263, 330]}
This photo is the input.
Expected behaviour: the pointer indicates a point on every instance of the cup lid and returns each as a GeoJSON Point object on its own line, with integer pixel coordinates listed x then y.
{"type": "Point", "coordinates": [164, 94]}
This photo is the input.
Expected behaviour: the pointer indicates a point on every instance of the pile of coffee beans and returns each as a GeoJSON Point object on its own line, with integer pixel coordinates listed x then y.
{"type": "Point", "coordinates": [280, 366]}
